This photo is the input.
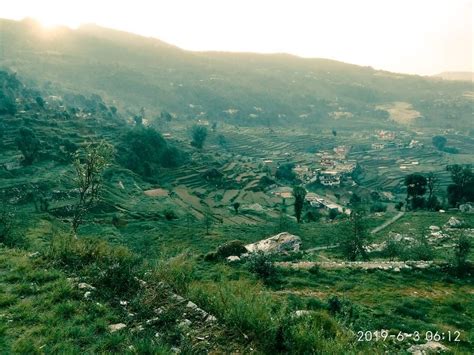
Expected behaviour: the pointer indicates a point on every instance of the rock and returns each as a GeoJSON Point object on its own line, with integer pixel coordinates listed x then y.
{"type": "Point", "coordinates": [84, 286]}
{"type": "Point", "coordinates": [232, 258]}
{"type": "Point", "coordinates": [429, 347]}
{"type": "Point", "coordinates": [123, 303]}
{"type": "Point", "coordinates": [185, 323]}
{"type": "Point", "coordinates": [34, 255]}
{"type": "Point", "coordinates": [301, 313]}
{"type": "Point", "coordinates": [453, 222]}
{"type": "Point", "coordinates": [283, 242]}
{"type": "Point", "coordinates": [434, 228]}
{"type": "Point", "coordinates": [467, 208]}
{"type": "Point", "coordinates": [87, 295]}
{"type": "Point", "coordinates": [116, 327]}
{"type": "Point", "coordinates": [211, 318]}
{"type": "Point", "coordinates": [397, 269]}
{"type": "Point", "coordinates": [192, 305]}
{"type": "Point", "coordinates": [442, 211]}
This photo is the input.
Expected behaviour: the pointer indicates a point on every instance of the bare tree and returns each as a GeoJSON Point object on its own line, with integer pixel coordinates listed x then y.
{"type": "Point", "coordinates": [89, 164]}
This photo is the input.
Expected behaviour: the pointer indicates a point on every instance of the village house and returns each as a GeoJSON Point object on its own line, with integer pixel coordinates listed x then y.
{"type": "Point", "coordinates": [330, 178]}
{"type": "Point", "coordinates": [378, 146]}
{"type": "Point", "coordinates": [386, 135]}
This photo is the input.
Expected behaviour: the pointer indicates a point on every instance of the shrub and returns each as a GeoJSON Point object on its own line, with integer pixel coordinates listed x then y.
{"type": "Point", "coordinates": [170, 214]}
{"type": "Point", "coordinates": [113, 269]}
{"type": "Point", "coordinates": [378, 207]}
{"type": "Point", "coordinates": [8, 235]}
{"type": "Point", "coordinates": [260, 264]}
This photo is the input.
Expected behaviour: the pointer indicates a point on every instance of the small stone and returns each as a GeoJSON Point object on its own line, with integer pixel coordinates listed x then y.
{"type": "Point", "coordinates": [185, 323]}
{"type": "Point", "coordinates": [397, 269]}
{"type": "Point", "coordinates": [123, 303]}
{"type": "Point", "coordinates": [85, 286]}
{"type": "Point", "coordinates": [210, 318]}
{"type": "Point", "coordinates": [191, 305]}
{"type": "Point", "coordinates": [87, 295]}
{"type": "Point", "coordinates": [116, 327]}
{"type": "Point", "coordinates": [232, 258]}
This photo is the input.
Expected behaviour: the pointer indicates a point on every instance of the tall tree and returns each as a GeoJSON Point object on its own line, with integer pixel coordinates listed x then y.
{"type": "Point", "coordinates": [355, 241]}
{"type": "Point", "coordinates": [431, 183]}
{"type": "Point", "coordinates": [462, 188]}
{"type": "Point", "coordinates": [299, 194]}
{"type": "Point", "coordinates": [28, 144]}
{"type": "Point", "coordinates": [199, 134]}
{"type": "Point", "coordinates": [89, 165]}
{"type": "Point", "coordinates": [416, 188]}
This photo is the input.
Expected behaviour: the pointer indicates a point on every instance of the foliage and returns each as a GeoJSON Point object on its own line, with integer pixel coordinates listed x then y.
{"type": "Point", "coordinates": [28, 144]}
{"type": "Point", "coordinates": [89, 165]}
{"type": "Point", "coordinates": [176, 271]}
{"type": "Point", "coordinates": [416, 188]}
{"type": "Point", "coordinates": [392, 249]}
{"type": "Point", "coordinates": [378, 207]}
{"type": "Point", "coordinates": [236, 206]}
{"type": "Point", "coordinates": [354, 242]}
{"type": "Point", "coordinates": [233, 247]}
{"type": "Point", "coordinates": [261, 265]}
{"type": "Point", "coordinates": [299, 194]}
{"type": "Point", "coordinates": [199, 135]}
{"type": "Point", "coordinates": [9, 236]}
{"type": "Point", "coordinates": [461, 252]}
{"type": "Point", "coordinates": [462, 188]}
{"type": "Point", "coordinates": [285, 172]}
{"type": "Point", "coordinates": [439, 142]}
{"type": "Point", "coordinates": [144, 151]}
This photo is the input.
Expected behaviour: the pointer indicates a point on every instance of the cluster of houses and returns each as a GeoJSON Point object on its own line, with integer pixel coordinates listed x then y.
{"type": "Point", "coordinates": [389, 140]}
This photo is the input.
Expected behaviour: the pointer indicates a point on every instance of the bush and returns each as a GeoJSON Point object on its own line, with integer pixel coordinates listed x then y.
{"type": "Point", "coordinates": [233, 247]}
{"type": "Point", "coordinates": [199, 134]}
{"type": "Point", "coordinates": [113, 269]}
{"type": "Point", "coordinates": [8, 235]}
{"type": "Point", "coordinates": [378, 207]}
{"type": "Point", "coordinates": [170, 214]}
{"type": "Point", "coordinates": [260, 264]}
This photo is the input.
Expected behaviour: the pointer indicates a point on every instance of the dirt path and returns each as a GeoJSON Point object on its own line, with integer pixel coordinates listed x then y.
{"type": "Point", "coordinates": [387, 223]}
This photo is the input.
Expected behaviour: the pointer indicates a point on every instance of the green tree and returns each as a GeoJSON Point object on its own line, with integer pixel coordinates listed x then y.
{"type": "Point", "coordinates": [199, 135]}
{"type": "Point", "coordinates": [236, 206]}
{"type": "Point", "coordinates": [462, 188]}
{"type": "Point", "coordinates": [89, 164]}
{"type": "Point", "coordinates": [416, 188]}
{"type": "Point", "coordinates": [439, 142]}
{"type": "Point", "coordinates": [461, 252]}
{"type": "Point", "coordinates": [28, 144]}
{"type": "Point", "coordinates": [354, 243]}
{"type": "Point", "coordinates": [299, 193]}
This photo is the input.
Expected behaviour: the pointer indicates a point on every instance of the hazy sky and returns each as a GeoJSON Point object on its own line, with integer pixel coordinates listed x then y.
{"type": "Point", "coordinates": [411, 36]}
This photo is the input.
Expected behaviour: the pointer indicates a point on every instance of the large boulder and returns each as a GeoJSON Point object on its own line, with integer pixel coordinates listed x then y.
{"type": "Point", "coordinates": [280, 243]}
{"type": "Point", "coordinates": [467, 208]}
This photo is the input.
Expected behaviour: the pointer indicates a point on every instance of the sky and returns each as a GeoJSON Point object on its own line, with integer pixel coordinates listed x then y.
{"type": "Point", "coordinates": [409, 36]}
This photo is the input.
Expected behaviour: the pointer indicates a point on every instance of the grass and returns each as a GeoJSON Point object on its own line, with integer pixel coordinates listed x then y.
{"type": "Point", "coordinates": [42, 312]}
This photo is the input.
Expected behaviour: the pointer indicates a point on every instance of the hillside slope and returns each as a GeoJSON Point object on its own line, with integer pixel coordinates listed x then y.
{"type": "Point", "coordinates": [241, 88]}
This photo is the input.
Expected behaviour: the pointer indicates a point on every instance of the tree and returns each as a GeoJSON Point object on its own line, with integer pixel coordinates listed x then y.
{"type": "Point", "coordinates": [462, 188]}
{"type": "Point", "coordinates": [355, 241]}
{"type": "Point", "coordinates": [199, 134]}
{"type": "Point", "coordinates": [432, 202]}
{"type": "Point", "coordinates": [392, 249]}
{"type": "Point", "coordinates": [89, 164]}
{"type": "Point", "coordinates": [416, 188]}
{"type": "Point", "coordinates": [355, 200]}
{"type": "Point", "coordinates": [299, 194]}
{"type": "Point", "coordinates": [28, 144]}
{"type": "Point", "coordinates": [439, 142]}
{"type": "Point", "coordinates": [236, 206]}
{"type": "Point", "coordinates": [461, 252]}
{"type": "Point", "coordinates": [334, 132]}
{"type": "Point", "coordinates": [285, 172]}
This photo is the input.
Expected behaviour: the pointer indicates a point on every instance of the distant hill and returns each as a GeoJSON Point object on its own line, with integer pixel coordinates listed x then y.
{"type": "Point", "coordinates": [456, 75]}
{"type": "Point", "coordinates": [242, 88]}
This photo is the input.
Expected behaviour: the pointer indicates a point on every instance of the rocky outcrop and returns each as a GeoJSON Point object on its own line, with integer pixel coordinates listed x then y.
{"type": "Point", "coordinates": [280, 243]}
{"type": "Point", "coordinates": [453, 222]}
